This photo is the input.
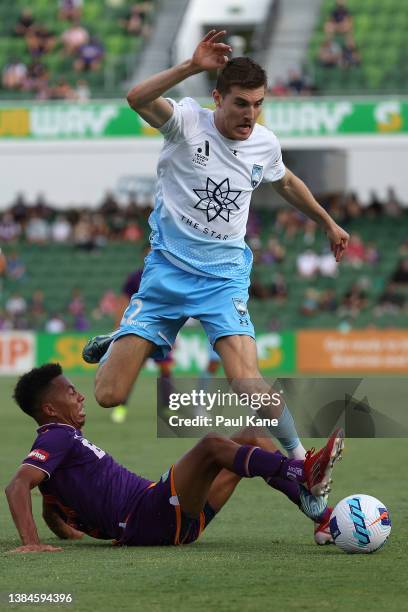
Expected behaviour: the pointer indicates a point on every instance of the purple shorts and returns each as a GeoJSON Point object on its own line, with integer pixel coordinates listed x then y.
{"type": "Point", "coordinates": [158, 519]}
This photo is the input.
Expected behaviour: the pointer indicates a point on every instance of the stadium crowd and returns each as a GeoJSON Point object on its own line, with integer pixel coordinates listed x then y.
{"type": "Point", "coordinates": [91, 230]}
{"type": "Point", "coordinates": [81, 50]}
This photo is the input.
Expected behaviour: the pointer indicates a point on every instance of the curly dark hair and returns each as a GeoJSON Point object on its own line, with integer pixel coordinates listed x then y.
{"type": "Point", "coordinates": [30, 387]}
{"type": "Point", "coordinates": [242, 71]}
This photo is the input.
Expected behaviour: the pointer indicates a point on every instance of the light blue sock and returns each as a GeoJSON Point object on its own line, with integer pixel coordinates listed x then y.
{"type": "Point", "coordinates": [287, 435]}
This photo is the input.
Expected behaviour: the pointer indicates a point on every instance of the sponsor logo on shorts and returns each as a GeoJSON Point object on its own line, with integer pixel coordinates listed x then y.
{"type": "Point", "coordinates": [38, 455]}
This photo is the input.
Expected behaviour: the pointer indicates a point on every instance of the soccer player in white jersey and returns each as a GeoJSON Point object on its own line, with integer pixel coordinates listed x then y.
{"type": "Point", "coordinates": [199, 266]}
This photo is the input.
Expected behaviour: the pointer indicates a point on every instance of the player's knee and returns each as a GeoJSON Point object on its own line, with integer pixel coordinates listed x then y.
{"type": "Point", "coordinates": [211, 445]}
{"type": "Point", "coordinates": [109, 397]}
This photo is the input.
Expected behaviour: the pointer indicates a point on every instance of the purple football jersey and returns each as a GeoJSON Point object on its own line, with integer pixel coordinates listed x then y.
{"type": "Point", "coordinates": [93, 492]}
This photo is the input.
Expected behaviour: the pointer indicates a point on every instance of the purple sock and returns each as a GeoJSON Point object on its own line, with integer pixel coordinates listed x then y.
{"type": "Point", "coordinates": [290, 488]}
{"type": "Point", "coordinates": [254, 461]}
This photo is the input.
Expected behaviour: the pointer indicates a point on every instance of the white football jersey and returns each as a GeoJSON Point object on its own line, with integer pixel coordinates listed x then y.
{"type": "Point", "coordinates": [204, 188]}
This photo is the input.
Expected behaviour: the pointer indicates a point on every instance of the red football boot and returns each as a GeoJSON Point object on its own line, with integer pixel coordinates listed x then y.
{"type": "Point", "coordinates": [318, 465]}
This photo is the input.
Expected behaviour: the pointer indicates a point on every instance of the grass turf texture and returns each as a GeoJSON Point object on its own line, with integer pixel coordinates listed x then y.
{"type": "Point", "coordinates": [258, 553]}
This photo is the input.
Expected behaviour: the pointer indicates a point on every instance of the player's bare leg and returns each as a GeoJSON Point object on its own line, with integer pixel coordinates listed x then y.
{"type": "Point", "coordinates": [116, 376]}
{"type": "Point", "coordinates": [225, 482]}
{"type": "Point", "coordinates": [239, 358]}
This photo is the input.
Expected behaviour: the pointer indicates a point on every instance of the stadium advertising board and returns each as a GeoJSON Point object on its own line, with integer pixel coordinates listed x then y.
{"type": "Point", "coordinates": [276, 352]}
{"type": "Point", "coordinates": [369, 351]}
{"type": "Point", "coordinates": [17, 352]}
{"type": "Point", "coordinates": [288, 118]}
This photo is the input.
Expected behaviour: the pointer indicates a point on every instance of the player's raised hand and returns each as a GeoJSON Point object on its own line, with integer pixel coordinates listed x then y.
{"type": "Point", "coordinates": [339, 240]}
{"type": "Point", "coordinates": [36, 548]}
{"type": "Point", "coordinates": [211, 54]}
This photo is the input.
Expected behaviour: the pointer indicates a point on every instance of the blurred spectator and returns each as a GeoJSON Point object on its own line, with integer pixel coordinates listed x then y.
{"type": "Point", "coordinates": [108, 304]}
{"type": "Point", "coordinates": [350, 55]}
{"type": "Point", "coordinates": [340, 20]}
{"type": "Point", "coordinates": [19, 208]}
{"type": "Point", "coordinates": [6, 322]}
{"type": "Point", "coordinates": [356, 253]}
{"type": "Point", "coordinates": [372, 254]}
{"type": "Point", "coordinates": [327, 264]}
{"type": "Point", "coordinates": [309, 231]}
{"type": "Point", "coordinates": [390, 302]}
{"type": "Point", "coordinates": [37, 230]}
{"type": "Point", "coordinates": [328, 301]}
{"type": "Point", "coordinates": [310, 303]}
{"type": "Point", "coordinates": [81, 323]}
{"type": "Point", "coordinates": [400, 275]}
{"type": "Point", "coordinates": [279, 288]}
{"type": "Point", "coordinates": [82, 91]}
{"type": "Point", "coordinates": [61, 91]}
{"type": "Point", "coordinates": [77, 304]}
{"type": "Point", "coordinates": [16, 305]}
{"type": "Point", "coordinates": [14, 74]}
{"type": "Point", "coordinates": [9, 229]}
{"type": "Point", "coordinates": [55, 324]}
{"type": "Point", "coordinates": [83, 236]}
{"type": "Point", "coordinates": [135, 22]}
{"type": "Point", "coordinates": [392, 206]}
{"type": "Point", "coordinates": [274, 252]}
{"type": "Point", "coordinates": [70, 10]}
{"type": "Point", "coordinates": [258, 289]}
{"type": "Point", "coordinates": [279, 89]}
{"type": "Point", "coordinates": [16, 269]}
{"type": "Point", "coordinates": [36, 78]}
{"type": "Point", "coordinates": [61, 229]}
{"type": "Point", "coordinates": [330, 53]}
{"type": "Point", "coordinates": [375, 207]}
{"type": "Point", "coordinates": [109, 204]}
{"type": "Point", "coordinates": [307, 264]}
{"type": "Point", "coordinates": [132, 232]}
{"type": "Point", "coordinates": [36, 309]}
{"type": "Point", "coordinates": [25, 21]}
{"type": "Point", "coordinates": [353, 301]}
{"type": "Point", "coordinates": [40, 40]}
{"type": "Point", "coordinates": [90, 56]}
{"type": "Point", "coordinates": [73, 38]}
{"type": "Point", "coordinates": [298, 84]}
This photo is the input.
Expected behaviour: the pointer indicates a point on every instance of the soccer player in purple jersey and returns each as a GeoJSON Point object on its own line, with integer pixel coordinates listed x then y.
{"type": "Point", "coordinates": [86, 491]}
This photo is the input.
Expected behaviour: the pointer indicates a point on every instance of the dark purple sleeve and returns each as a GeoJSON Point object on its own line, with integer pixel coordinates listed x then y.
{"type": "Point", "coordinates": [50, 449]}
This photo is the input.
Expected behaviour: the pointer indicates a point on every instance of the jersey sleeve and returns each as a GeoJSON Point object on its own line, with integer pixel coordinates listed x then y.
{"type": "Point", "coordinates": [50, 449]}
{"type": "Point", "coordinates": [184, 120]}
{"type": "Point", "coordinates": [275, 168]}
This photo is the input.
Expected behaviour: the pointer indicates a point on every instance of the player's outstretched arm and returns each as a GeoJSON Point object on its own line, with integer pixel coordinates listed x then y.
{"type": "Point", "coordinates": [57, 524]}
{"type": "Point", "coordinates": [146, 97]}
{"type": "Point", "coordinates": [294, 191]}
{"type": "Point", "coordinates": [18, 494]}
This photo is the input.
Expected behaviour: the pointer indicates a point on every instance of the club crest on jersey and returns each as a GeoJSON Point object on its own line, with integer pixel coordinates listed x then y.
{"type": "Point", "coordinates": [256, 175]}
{"type": "Point", "coordinates": [240, 306]}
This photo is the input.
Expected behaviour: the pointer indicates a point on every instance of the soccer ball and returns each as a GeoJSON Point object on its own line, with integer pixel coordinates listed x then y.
{"type": "Point", "coordinates": [360, 524]}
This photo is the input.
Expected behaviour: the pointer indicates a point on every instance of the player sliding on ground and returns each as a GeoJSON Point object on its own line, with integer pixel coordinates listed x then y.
{"type": "Point", "coordinates": [199, 266]}
{"type": "Point", "coordinates": [85, 491]}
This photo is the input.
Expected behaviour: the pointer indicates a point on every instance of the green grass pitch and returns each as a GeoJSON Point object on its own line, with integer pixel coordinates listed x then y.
{"type": "Point", "coordinates": [258, 554]}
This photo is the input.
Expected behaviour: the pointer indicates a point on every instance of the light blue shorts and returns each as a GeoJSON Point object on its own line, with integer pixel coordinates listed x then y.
{"type": "Point", "coordinates": [168, 296]}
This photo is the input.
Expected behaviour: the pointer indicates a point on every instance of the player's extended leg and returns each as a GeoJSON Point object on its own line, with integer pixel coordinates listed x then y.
{"type": "Point", "coordinates": [225, 482]}
{"type": "Point", "coordinates": [195, 472]}
{"type": "Point", "coordinates": [240, 361]}
{"type": "Point", "coordinates": [117, 374]}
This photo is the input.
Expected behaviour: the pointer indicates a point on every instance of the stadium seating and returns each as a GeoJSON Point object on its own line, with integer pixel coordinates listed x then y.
{"type": "Point", "coordinates": [379, 30]}
{"type": "Point", "coordinates": [57, 269]}
{"type": "Point", "coordinates": [102, 20]}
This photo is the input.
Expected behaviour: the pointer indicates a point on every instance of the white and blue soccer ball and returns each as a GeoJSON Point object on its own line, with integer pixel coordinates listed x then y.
{"type": "Point", "coordinates": [360, 524]}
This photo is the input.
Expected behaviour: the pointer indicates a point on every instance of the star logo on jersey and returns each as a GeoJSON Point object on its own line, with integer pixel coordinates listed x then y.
{"type": "Point", "coordinates": [217, 199]}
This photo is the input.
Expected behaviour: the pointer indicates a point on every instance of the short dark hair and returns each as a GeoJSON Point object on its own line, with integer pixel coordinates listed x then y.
{"type": "Point", "coordinates": [30, 387]}
{"type": "Point", "coordinates": [242, 71]}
